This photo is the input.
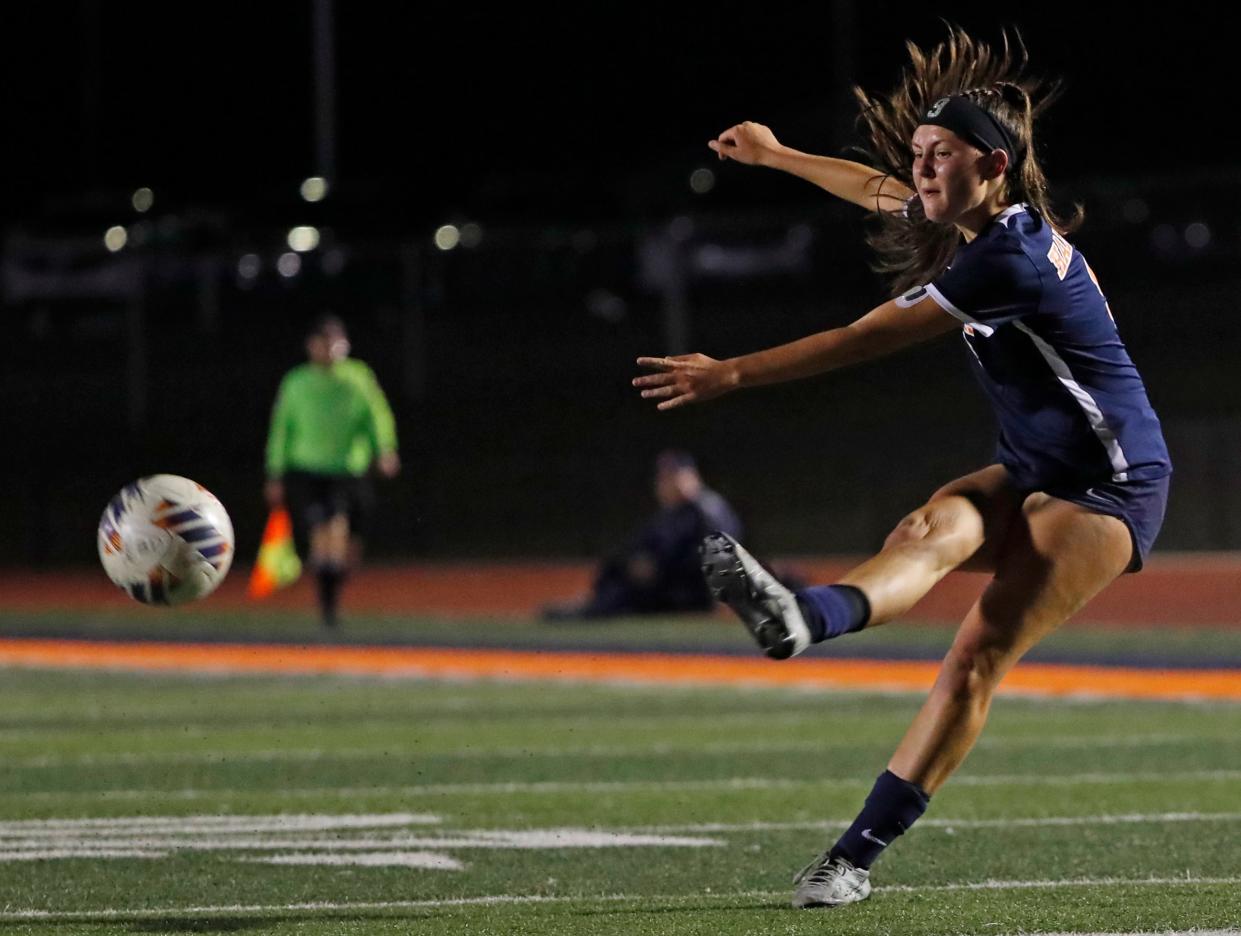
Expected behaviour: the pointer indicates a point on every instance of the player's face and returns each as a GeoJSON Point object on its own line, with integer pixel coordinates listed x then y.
{"type": "Point", "coordinates": [948, 173]}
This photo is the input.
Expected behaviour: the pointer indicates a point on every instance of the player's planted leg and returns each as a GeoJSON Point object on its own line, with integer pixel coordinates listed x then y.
{"type": "Point", "coordinates": [842, 874]}
{"type": "Point", "coordinates": [830, 882]}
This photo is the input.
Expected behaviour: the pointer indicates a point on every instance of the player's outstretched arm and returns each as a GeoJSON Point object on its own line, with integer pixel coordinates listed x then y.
{"type": "Point", "coordinates": [696, 378]}
{"type": "Point", "coordinates": [755, 145]}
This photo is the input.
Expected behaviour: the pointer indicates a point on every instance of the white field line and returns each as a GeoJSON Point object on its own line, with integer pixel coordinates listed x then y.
{"type": "Point", "coordinates": [172, 831]}
{"type": "Point", "coordinates": [597, 750]}
{"type": "Point", "coordinates": [415, 859]}
{"type": "Point", "coordinates": [87, 840]}
{"type": "Point", "coordinates": [58, 853]}
{"type": "Point", "coordinates": [218, 824]}
{"type": "Point", "coordinates": [113, 913]}
{"type": "Point", "coordinates": [556, 787]}
{"type": "Point", "coordinates": [490, 840]}
{"type": "Point", "coordinates": [137, 758]}
{"type": "Point", "coordinates": [425, 860]}
{"type": "Point", "coordinates": [1094, 778]}
{"type": "Point", "coordinates": [1071, 882]}
{"type": "Point", "coordinates": [707, 828]}
{"type": "Point", "coordinates": [90, 842]}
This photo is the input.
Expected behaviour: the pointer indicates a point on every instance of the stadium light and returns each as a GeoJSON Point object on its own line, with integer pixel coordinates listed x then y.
{"type": "Point", "coordinates": [303, 238]}
{"type": "Point", "coordinates": [314, 188]}
{"type": "Point", "coordinates": [249, 266]}
{"type": "Point", "coordinates": [1198, 235]}
{"type": "Point", "coordinates": [289, 265]}
{"type": "Point", "coordinates": [142, 200]}
{"type": "Point", "coordinates": [701, 181]}
{"type": "Point", "coordinates": [447, 237]}
{"type": "Point", "coordinates": [115, 238]}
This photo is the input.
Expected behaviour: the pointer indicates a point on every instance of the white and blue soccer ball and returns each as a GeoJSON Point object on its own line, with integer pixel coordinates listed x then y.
{"type": "Point", "coordinates": [165, 540]}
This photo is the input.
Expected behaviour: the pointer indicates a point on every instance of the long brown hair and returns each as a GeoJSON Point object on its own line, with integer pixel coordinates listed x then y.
{"type": "Point", "coordinates": [910, 249]}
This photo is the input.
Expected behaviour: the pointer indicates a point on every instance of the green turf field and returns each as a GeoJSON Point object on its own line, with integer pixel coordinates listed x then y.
{"type": "Point", "coordinates": [137, 804]}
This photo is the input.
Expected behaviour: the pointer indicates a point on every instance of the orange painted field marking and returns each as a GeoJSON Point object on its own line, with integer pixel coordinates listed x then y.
{"type": "Point", "coordinates": [1029, 678]}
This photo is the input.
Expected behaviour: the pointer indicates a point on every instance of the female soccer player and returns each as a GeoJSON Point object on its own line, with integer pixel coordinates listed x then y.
{"type": "Point", "coordinates": [1077, 491]}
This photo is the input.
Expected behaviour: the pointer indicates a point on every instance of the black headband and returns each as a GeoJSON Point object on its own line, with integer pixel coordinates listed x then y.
{"type": "Point", "coordinates": [972, 124]}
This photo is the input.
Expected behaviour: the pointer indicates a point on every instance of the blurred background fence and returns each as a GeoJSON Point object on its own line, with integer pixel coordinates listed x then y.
{"type": "Point", "coordinates": [507, 350]}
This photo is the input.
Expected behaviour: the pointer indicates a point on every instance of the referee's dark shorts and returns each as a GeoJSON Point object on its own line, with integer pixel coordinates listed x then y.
{"type": "Point", "coordinates": [314, 499]}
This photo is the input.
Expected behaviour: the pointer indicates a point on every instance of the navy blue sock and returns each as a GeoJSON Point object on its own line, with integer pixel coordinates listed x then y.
{"type": "Point", "coordinates": [832, 610]}
{"type": "Point", "coordinates": [892, 807]}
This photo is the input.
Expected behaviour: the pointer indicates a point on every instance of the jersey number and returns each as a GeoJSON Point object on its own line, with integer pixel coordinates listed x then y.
{"type": "Point", "coordinates": [1061, 254]}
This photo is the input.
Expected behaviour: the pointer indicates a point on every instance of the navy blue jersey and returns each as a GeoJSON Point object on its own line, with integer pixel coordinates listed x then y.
{"type": "Point", "coordinates": [1070, 403]}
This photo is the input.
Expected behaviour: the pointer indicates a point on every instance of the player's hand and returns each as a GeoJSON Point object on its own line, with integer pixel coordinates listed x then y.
{"type": "Point", "coordinates": [273, 493]}
{"type": "Point", "coordinates": [685, 378]}
{"type": "Point", "coordinates": [749, 143]}
{"type": "Point", "coordinates": [389, 464]}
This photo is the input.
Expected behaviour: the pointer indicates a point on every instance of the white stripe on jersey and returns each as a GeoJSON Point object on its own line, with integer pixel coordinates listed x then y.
{"type": "Point", "coordinates": [1115, 454]}
{"type": "Point", "coordinates": [942, 301]}
{"type": "Point", "coordinates": [1009, 212]}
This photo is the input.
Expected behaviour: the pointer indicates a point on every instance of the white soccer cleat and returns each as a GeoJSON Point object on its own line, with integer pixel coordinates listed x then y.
{"type": "Point", "coordinates": [830, 882]}
{"type": "Point", "coordinates": [767, 608]}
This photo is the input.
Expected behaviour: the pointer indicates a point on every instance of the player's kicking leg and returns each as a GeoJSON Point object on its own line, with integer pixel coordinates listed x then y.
{"type": "Point", "coordinates": [959, 524]}
{"type": "Point", "coordinates": [769, 610]}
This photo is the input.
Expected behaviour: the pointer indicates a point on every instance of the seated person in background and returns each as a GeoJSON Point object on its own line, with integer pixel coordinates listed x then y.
{"type": "Point", "coordinates": [659, 570]}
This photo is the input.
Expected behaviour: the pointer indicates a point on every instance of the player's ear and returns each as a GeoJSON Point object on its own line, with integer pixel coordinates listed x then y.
{"type": "Point", "coordinates": [995, 164]}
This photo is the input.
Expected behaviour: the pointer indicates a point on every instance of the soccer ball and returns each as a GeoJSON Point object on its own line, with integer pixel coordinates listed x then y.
{"type": "Point", "coordinates": [165, 540]}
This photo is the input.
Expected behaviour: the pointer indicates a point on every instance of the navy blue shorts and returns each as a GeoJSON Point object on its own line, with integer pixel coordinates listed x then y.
{"type": "Point", "coordinates": [1140, 504]}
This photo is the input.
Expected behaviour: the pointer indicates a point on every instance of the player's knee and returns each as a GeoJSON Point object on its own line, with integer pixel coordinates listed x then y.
{"type": "Point", "coordinates": [954, 530]}
{"type": "Point", "coordinates": [910, 530]}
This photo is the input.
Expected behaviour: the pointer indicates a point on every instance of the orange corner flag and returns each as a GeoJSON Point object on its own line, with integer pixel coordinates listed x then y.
{"type": "Point", "coordinates": [277, 565]}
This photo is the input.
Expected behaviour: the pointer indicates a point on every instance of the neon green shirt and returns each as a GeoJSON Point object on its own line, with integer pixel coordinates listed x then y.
{"type": "Point", "coordinates": [329, 420]}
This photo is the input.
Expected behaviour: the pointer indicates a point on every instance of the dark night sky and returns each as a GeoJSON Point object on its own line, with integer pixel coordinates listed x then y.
{"type": "Point", "coordinates": [213, 101]}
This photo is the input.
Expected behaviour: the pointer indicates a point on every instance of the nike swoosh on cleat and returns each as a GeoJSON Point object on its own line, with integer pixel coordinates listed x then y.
{"type": "Point", "coordinates": [870, 838]}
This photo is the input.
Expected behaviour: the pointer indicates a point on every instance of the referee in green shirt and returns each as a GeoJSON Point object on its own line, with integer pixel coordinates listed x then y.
{"type": "Point", "coordinates": [331, 422]}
